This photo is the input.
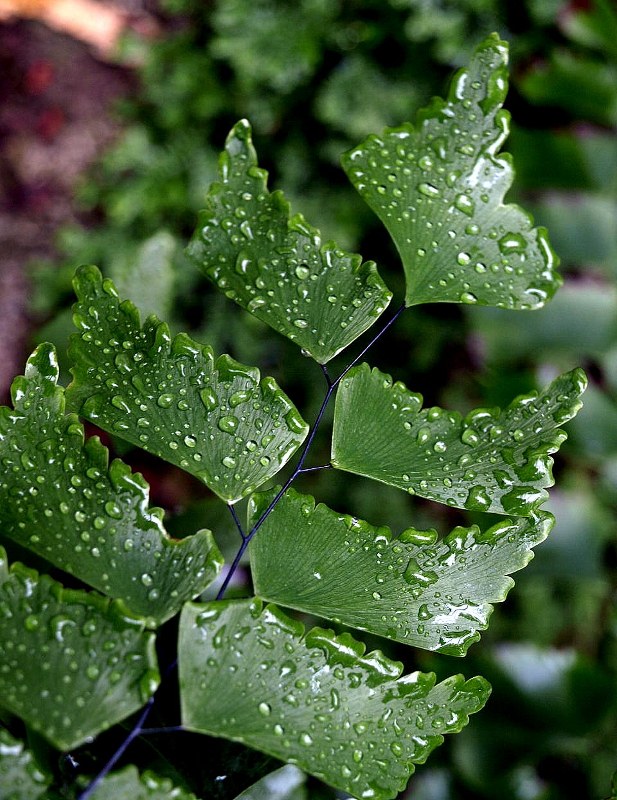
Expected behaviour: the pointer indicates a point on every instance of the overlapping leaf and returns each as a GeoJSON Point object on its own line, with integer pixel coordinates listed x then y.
{"type": "Point", "coordinates": [20, 778]}
{"type": "Point", "coordinates": [286, 783]}
{"type": "Point", "coordinates": [72, 664]}
{"type": "Point", "coordinates": [212, 417]}
{"type": "Point", "coordinates": [61, 499]}
{"type": "Point", "coordinates": [252, 674]}
{"type": "Point", "coordinates": [438, 187]}
{"type": "Point", "coordinates": [491, 460]}
{"type": "Point", "coordinates": [275, 266]}
{"type": "Point", "coordinates": [128, 784]}
{"type": "Point", "coordinates": [426, 593]}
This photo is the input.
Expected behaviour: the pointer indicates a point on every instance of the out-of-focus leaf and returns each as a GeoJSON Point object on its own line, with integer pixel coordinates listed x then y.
{"type": "Point", "coordinates": [286, 783]}
{"type": "Point", "coordinates": [128, 784]}
{"type": "Point", "coordinates": [582, 228]}
{"type": "Point", "coordinates": [590, 311]}
{"type": "Point", "coordinates": [61, 499]}
{"type": "Point", "coordinates": [438, 188]}
{"type": "Point", "coordinates": [213, 418]}
{"type": "Point", "coordinates": [595, 433]}
{"type": "Point", "coordinates": [149, 275]}
{"type": "Point", "coordinates": [431, 594]}
{"type": "Point", "coordinates": [491, 460]}
{"type": "Point", "coordinates": [20, 778]}
{"type": "Point", "coordinates": [584, 87]}
{"type": "Point", "coordinates": [276, 266]}
{"type": "Point", "coordinates": [108, 662]}
{"type": "Point", "coordinates": [252, 674]}
{"type": "Point", "coordinates": [357, 98]}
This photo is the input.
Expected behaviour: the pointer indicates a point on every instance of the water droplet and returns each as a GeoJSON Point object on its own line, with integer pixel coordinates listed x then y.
{"type": "Point", "coordinates": [264, 709]}
{"type": "Point", "coordinates": [228, 424]}
{"type": "Point", "coordinates": [463, 259]}
{"type": "Point", "coordinates": [113, 510]}
{"type": "Point", "coordinates": [468, 298]}
{"type": "Point", "coordinates": [209, 399]}
{"type": "Point", "coordinates": [428, 190]}
{"type": "Point", "coordinates": [440, 447]}
{"type": "Point", "coordinates": [147, 579]}
{"type": "Point", "coordinates": [302, 272]}
{"type": "Point", "coordinates": [92, 672]}
{"type": "Point", "coordinates": [165, 400]}
{"type": "Point", "coordinates": [300, 323]}
{"type": "Point", "coordinates": [512, 243]}
{"type": "Point", "coordinates": [190, 441]}
{"type": "Point", "coordinates": [469, 436]}
{"type": "Point", "coordinates": [478, 499]}
{"type": "Point", "coordinates": [229, 462]}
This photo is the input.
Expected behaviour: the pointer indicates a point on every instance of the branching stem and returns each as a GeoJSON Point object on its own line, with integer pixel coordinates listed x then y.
{"type": "Point", "coordinates": [138, 729]}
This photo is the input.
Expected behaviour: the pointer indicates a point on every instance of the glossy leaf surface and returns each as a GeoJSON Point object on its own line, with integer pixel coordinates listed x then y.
{"type": "Point", "coordinates": [275, 266]}
{"type": "Point", "coordinates": [427, 593]}
{"type": "Point", "coordinates": [439, 186]}
{"type": "Point", "coordinates": [251, 674]}
{"type": "Point", "coordinates": [212, 417]}
{"type": "Point", "coordinates": [62, 500]}
{"type": "Point", "coordinates": [491, 460]}
{"type": "Point", "coordinates": [109, 667]}
{"type": "Point", "coordinates": [286, 783]}
{"type": "Point", "coordinates": [128, 784]}
{"type": "Point", "coordinates": [20, 778]}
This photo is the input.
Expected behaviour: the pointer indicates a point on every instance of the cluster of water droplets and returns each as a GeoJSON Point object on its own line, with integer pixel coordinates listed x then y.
{"type": "Point", "coordinates": [214, 419]}
{"type": "Point", "coordinates": [61, 500]}
{"type": "Point", "coordinates": [341, 715]}
{"type": "Point", "coordinates": [491, 460]}
{"type": "Point", "coordinates": [414, 589]}
{"type": "Point", "coordinates": [278, 269]}
{"type": "Point", "coordinates": [97, 645]}
{"type": "Point", "coordinates": [439, 190]}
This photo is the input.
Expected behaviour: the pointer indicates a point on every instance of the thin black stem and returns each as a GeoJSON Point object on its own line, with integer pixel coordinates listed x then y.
{"type": "Point", "coordinates": [133, 734]}
{"type": "Point", "coordinates": [314, 469]}
{"type": "Point", "coordinates": [299, 468]}
{"type": "Point", "coordinates": [234, 514]}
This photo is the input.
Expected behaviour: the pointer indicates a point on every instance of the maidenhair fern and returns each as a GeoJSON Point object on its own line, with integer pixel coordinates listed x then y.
{"type": "Point", "coordinates": [77, 653]}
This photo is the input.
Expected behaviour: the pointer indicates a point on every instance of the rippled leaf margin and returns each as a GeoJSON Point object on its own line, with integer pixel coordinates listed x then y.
{"type": "Point", "coordinates": [63, 501]}
{"type": "Point", "coordinates": [490, 460]}
{"type": "Point", "coordinates": [431, 594]}
{"type": "Point", "coordinates": [316, 699]}
{"type": "Point", "coordinates": [213, 418]}
{"type": "Point", "coordinates": [275, 265]}
{"type": "Point", "coordinates": [439, 187]}
{"type": "Point", "coordinates": [108, 662]}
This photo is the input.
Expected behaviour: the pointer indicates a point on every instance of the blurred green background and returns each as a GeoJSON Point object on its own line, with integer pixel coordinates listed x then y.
{"type": "Point", "coordinates": [314, 77]}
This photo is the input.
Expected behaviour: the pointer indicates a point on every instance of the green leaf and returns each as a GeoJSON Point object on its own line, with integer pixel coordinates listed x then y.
{"type": "Point", "coordinates": [439, 188]}
{"type": "Point", "coordinates": [286, 783]}
{"type": "Point", "coordinates": [213, 418]}
{"type": "Point", "coordinates": [108, 664]}
{"type": "Point", "coordinates": [62, 500]}
{"type": "Point", "coordinates": [276, 267]}
{"type": "Point", "coordinates": [128, 784]}
{"type": "Point", "coordinates": [426, 593]}
{"type": "Point", "coordinates": [252, 674]}
{"type": "Point", "coordinates": [491, 460]}
{"type": "Point", "coordinates": [20, 778]}
{"type": "Point", "coordinates": [148, 274]}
